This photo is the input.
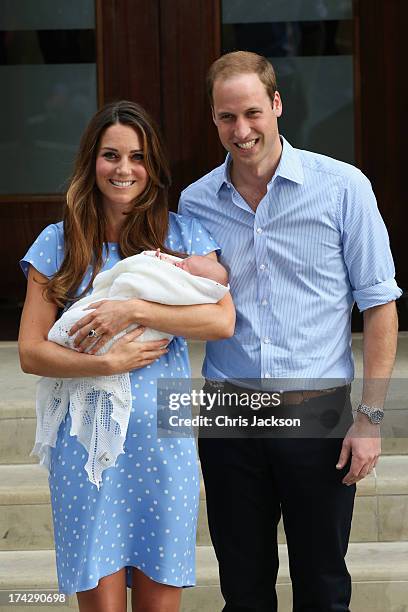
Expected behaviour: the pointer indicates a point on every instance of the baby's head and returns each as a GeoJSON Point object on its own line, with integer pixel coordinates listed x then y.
{"type": "Point", "coordinates": [198, 265]}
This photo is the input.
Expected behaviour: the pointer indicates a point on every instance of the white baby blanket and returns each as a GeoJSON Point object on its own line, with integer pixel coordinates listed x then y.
{"type": "Point", "coordinates": [100, 406]}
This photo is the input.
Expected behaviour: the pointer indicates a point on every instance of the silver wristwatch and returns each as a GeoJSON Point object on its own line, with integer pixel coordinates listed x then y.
{"type": "Point", "coordinates": [375, 415]}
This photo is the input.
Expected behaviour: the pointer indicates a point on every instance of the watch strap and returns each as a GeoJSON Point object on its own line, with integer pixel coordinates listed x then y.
{"type": "Point", "coordinates": [374, 414]}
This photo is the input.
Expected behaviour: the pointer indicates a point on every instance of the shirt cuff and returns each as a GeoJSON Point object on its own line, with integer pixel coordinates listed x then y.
{"type": "Point", "coordinates": [376, 295]}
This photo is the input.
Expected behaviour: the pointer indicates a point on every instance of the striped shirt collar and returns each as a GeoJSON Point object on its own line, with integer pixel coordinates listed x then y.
{"type": "Point", "coordinates": [289, 167]}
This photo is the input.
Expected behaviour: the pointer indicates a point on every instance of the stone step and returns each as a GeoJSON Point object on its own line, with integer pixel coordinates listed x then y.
{"type": "Point", "coordinates": [379, 572]}
{"type": "Point", "coordinates": [17, 431]}
{"type": "Point", "coordinates": [381, 509]}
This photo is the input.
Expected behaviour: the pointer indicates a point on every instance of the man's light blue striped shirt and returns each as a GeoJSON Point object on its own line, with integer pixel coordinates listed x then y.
{"type": "Point", "coordinates": [315, 245]}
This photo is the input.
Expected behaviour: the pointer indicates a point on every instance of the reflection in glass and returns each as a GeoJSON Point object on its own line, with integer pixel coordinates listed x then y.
{"type": "Point", "coordinates": [241, 11]}
{"type": "Point", "coordinates": [287, 39]}
{"type": "Point", "coordinates": [48, 76]}
{"type": "Point", "coordinates": [318, 110]}
{"type": "Point", "coordinates": [47, 107]}
{"type": "Point", "coordinates": [310, 45]}
{"type": "Point", "coordinates": [47, 47]}
{"type": "Point", "coordinates": [47, 14]}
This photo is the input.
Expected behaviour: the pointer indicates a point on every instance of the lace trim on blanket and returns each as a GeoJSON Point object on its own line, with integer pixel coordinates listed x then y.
{"type": "Point", "coordinates": [100, 410]}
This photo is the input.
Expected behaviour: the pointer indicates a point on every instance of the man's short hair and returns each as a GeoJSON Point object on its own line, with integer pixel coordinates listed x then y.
{"type": "Point", "coordinates": [242, 62]}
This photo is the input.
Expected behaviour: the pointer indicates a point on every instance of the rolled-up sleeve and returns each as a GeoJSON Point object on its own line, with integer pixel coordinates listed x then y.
{"type": "Point", "coordinates": [366, 246]}
{"type": "Point", "coordinates": [378, 294]}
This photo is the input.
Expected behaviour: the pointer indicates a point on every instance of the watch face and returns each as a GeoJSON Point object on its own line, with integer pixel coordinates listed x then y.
{"type": "Point", "coordinates": [376, 416]}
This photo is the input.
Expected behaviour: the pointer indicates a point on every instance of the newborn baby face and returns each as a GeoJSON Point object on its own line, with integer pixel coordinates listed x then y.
{"type": "Point", "coordinates": [195, 264]}
{"type": "Point", "coordinates": [198, 265]}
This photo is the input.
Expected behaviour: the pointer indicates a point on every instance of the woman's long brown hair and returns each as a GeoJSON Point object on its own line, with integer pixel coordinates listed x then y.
{"type": "Point", "coordinates": [145, 226]}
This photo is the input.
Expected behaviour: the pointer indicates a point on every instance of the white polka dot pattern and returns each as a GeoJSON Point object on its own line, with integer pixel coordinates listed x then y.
{"type": "Point", "coordinates": [145, 512]}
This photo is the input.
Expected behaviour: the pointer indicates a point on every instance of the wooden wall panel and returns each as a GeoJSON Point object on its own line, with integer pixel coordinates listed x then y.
{"type": "Point", "coordinates": [21, 220]}
{"type": "Point", "coordinates": [190, 36]}
{"type": "Point", "coordinates": [129, 52]}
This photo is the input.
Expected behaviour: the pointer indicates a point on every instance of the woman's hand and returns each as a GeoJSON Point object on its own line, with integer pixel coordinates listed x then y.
{"type": "Point", "coordinates": [108, 318]}
{"type": "Point", "coordinates": [125, 354]}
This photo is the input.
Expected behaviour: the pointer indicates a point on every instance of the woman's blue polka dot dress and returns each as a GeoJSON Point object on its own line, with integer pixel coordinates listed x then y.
{"type": "Point", "coordinates": [145, 512]}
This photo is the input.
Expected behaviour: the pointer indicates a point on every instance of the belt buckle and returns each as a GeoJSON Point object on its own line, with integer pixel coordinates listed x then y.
{"type": "Point", "coordinates": [293, 398]}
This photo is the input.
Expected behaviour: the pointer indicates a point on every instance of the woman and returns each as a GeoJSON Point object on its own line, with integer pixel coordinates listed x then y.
{"type": "Point", "coordinates": [139, 528]}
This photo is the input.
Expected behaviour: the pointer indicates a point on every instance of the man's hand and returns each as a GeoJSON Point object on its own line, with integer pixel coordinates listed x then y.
{"type": "Point", "coordinates": [363, 441]}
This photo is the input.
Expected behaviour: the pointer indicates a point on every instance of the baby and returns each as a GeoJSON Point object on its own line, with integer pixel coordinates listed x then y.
{"type": "Point", "coordinates": [100, 406]}
{"type": "Point", "coordinates": [123, 281]}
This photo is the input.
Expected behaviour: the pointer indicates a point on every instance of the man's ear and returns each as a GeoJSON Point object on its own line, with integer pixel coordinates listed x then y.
{"type": "Point", "coordinates": [213, 115]}
{"type": "Point", "coordinates": [277, 104]}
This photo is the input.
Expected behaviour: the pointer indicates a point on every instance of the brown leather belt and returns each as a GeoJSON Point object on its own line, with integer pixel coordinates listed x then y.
{"type": "Point", "coordinates": [298, 397]}
{"type": "Point", "coordinates": [287, 397]}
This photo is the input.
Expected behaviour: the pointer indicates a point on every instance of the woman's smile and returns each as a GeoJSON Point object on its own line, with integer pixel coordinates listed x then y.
{"type": "Point", "coordinates": [121, 184]}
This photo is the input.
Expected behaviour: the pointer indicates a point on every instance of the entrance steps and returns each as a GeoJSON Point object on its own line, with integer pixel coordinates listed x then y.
{"type": "Point", "coordinates": [377, 556]}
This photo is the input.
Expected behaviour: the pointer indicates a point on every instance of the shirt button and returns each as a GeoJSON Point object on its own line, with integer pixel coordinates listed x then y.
{"type": "Point", "coordinates": [264, 302]}
{"type": "Point", "coordinates": [267, 340]}
{"type": "Point", "coordinates": [259, 230]}
{"type": "Point", "coordinates": [262, 267]}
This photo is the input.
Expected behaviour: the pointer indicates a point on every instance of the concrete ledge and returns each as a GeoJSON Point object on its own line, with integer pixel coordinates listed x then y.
{"type": "Point", "coordinates": [17, 437]}
{"type": "Point", "coordinates": [392, 476]}
{"type": "Point", "coordinates": [17, 409]}
{"type": "Point", "coordinates": [367, 562]}
{"type": "Point", "coordinates": [379, 572]}
{"type": "Point", "coordinates": [23, 484]}
{"type": "Point", "coordinates": [26, 527]}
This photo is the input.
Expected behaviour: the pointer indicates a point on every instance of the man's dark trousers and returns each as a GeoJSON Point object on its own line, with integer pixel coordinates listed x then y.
{"type": "Point", "coordinates": [249, 483]}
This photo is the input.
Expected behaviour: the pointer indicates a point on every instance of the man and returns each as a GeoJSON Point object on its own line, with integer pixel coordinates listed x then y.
{"type": "Point", "coordinates": [302, 239]}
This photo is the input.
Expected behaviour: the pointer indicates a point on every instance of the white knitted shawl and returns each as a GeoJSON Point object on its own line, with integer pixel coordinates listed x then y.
{"type": "Point", "coordinates": [100, 406]}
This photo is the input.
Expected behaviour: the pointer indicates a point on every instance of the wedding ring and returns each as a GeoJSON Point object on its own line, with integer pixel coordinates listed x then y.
{"type": "Point", "coordinates": [92, 334]}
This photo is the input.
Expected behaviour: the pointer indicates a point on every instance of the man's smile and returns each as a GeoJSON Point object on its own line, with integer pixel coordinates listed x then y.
{"type": "Point", "coordinates": [249, 144]}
